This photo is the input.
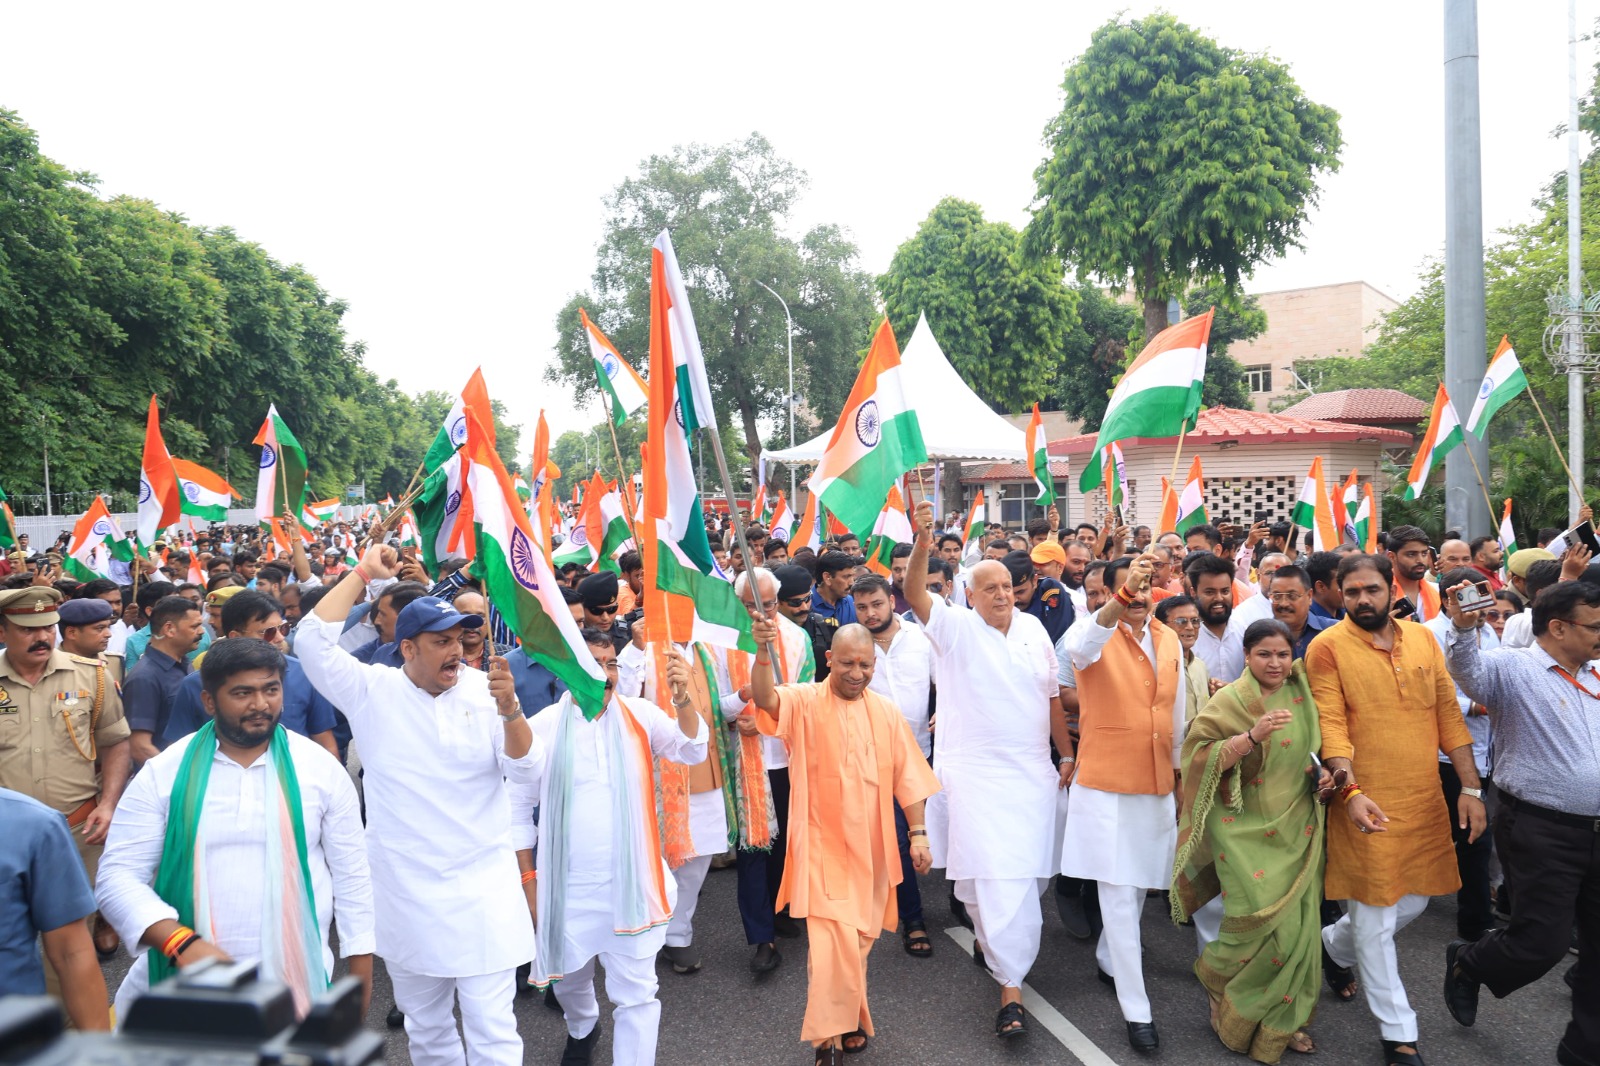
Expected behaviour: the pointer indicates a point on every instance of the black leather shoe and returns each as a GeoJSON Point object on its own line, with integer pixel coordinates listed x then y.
{"type": "Point", "coordinates": [786, 927]}
{"type": "Point", "coordinates": [958, 911]}
{"type": "Point", "coordinates": [578, 1052]}
{"type": "Point", "coordinates": [1567, 1057]}
{"type": "Point", "coordinates": [766, 959]}
{"type": "Point", "coordinates": [1142, 1036]}
{"type": "Point", "coordinates": [1073, 915]}
{"type": "Point", "coordinates": [550, 1001]}
{"type": "Point", "coordinates": [395, 1019]}
{"type": "Point", "coordinates": [1107, 980]}
{"type": "Point", "coordinates": [1460, 989]}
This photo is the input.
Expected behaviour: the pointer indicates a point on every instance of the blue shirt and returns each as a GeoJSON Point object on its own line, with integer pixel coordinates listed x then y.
{"type": "Point", "coordinates": [1051, 606]}
{"type": "Point", "coordinates": [1315, 623]}
{"type": "Point", "coordinates": [1319, 611]}
{"type": "Point", "coordinates": [840, 614]}
{"type": "Point", "coordinates": [150, 691]}
{"type": "Point", "coordinates": [305, 710]}
{"type": "Point", "coordinates": [139, 642]}
{"type": "Point", "coordinates": [43, 886]}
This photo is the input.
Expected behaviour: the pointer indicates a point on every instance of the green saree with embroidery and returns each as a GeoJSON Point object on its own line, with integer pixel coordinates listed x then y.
{"type": "Point", "coordinates": [1253, 835]}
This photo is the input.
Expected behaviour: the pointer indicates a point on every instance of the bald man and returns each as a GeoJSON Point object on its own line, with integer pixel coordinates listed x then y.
{"type": "Point", "coordinates": [851, 757]}
{"type": "Point", "coordinates": [1257, 608]}
{"type": "Point", "coordinates": [999, 708]}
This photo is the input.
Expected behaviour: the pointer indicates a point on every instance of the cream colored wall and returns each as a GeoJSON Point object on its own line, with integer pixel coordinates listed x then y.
{"type": "Point", "coordinates": [1312, 323]}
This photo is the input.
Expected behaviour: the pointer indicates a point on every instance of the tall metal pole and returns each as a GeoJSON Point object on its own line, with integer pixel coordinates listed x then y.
{"type": "Point", "coordinates": [1574, 273]}
{"type": "Point", "coordinates": [1464, 354]}
{"type": "Point", "coordinates": [47, 511]}
{"type": "Point", "coordinates": [788, 400]}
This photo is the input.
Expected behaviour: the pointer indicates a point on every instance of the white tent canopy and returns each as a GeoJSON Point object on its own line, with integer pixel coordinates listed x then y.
{"type": "Point", "coordinates": [955, 423]}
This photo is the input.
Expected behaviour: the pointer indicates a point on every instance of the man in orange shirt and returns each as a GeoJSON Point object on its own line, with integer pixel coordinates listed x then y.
{"type": "Point", "coordinates": [1387, 706]}
{"type": "Point", "coordinates": [851, 755]}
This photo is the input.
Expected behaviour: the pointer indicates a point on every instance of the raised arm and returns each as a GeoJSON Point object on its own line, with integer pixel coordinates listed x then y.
{"type": "Point", "coordinates": [763, 686]}
{"type": "Point", "coordinates": [916, 581]}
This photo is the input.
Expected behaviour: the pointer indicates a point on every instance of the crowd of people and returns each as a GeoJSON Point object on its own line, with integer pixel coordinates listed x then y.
{"type": "Point", "coordinates": [230, 750]}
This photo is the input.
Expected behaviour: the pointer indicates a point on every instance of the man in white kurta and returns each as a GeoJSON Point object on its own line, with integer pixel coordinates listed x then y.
{"type": "Point", "coordinates": [452, 921]}
{"type": "Point", "coordinates": [580, 900]}
{"type": "Point", "coordinates": [998, 710]}
{"type": "Point", "coordinates": [1124, 839]}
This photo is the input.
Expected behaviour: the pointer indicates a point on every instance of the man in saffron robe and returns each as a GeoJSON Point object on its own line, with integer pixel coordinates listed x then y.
{"type": "Point", "coordinates": [851, 755]}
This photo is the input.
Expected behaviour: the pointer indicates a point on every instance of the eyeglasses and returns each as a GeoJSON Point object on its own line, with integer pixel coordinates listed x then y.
{"type": "Point", "coordinates": [1593, 627]}
{"type": "Point", "coordinates": [610, 608]}
{"type": "Point", "coordinates": [1496, 616]}
{"type": "Point", "coordinates": [935, 587]}
{"type": "Point", "coordinates": [1184, 623]}
{"type": "Point", "coordinates": [1287, 597]}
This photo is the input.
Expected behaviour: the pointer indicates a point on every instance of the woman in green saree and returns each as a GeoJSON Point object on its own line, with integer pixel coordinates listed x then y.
{"type": "Point", "coordinates": [1251, 832]}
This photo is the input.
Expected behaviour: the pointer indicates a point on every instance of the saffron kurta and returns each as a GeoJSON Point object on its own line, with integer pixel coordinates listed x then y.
{"type": "Point", "coordinates": [1391, 713]}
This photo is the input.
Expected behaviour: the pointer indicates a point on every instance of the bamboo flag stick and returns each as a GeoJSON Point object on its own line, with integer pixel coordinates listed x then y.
{"type": "Point", "coordinates": [622, 474]}
{"type": "Point", "coordinates": [1554, 443]}
{"type": "Point", "coordinates": [1467, 447]}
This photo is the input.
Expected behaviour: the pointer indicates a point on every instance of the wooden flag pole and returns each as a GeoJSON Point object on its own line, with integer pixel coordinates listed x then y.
{"type": "Point", "coordinates": [1177, 456]}
{"type": "Point", "coordinates": [622, 474]}
{"type": "Point", "coordinates": [413, 482]}
{"type": "Point", "coordinates": [1553, 442]}
{"type": "Point", "coordinates": [738, 527]}
{"type": "Point", "coordinates": [1468, 447]}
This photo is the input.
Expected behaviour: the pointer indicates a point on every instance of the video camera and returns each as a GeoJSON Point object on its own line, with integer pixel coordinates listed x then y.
{"type": "Point", "coordinates": [215, 1013]}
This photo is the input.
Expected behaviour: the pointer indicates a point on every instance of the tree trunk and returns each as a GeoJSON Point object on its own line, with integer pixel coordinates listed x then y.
{"type": "Point", "coordinates": [1155, 316]}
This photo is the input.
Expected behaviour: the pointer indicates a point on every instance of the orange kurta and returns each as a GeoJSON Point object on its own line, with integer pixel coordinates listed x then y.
{"type": "Point", "coordinates": [848, 761]}
{"type": "Point", "coordinates": [1391, 713]}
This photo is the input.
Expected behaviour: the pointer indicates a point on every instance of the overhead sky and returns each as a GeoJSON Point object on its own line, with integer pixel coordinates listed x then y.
{"type": "Point", "coordinates": [442, 167]}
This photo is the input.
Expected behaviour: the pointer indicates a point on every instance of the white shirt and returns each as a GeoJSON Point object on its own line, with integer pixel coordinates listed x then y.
{"type": "Point", "coordinates": [1518, 631]}
{"type": "Point", "coordinates": [1224, 655]}
{"type": "Point", "coordinates": [1080, 598]}
{"type": "Point", "coordinates": [235, 856]}
{"type": "Point", "coordinates": [119, 638]}
{"type": "Point", "coordinates": [447, 895]}
{"type": "Point", "coordinates": [904, 676]}
{"type": "Point", "coordinates": [1480, 726]}
{"type": "Point", "coordinates": [1257, 608]}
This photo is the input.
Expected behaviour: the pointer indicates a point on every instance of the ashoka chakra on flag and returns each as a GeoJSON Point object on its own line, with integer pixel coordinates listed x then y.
{"type": "Point", "coordinates": [522, 560]}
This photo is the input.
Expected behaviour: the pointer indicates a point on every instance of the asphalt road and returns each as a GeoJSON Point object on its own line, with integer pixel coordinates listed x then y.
{"type": "Point", "coordinates": [941, 1010]}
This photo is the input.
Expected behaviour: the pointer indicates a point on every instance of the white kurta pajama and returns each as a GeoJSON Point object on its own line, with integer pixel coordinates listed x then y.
{"type": "Point", "coordinates": [1124, 841]}
{"type": "Point", "coordinates": [452, 921]}
{"type": "Point", "coordinates": [993, 832]}
{"type": "Point", "coordinates": [589, 926]}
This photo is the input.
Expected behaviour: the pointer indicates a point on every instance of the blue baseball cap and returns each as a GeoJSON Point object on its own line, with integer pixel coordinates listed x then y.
{"type": "Point", "coordinates": [430, 614]}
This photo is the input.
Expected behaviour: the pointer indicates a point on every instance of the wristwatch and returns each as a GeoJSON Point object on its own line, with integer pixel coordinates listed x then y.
{"type": "Point", "coordinates": [516, 712]}
{"type": "Point", "coordinates": [1475, 793]}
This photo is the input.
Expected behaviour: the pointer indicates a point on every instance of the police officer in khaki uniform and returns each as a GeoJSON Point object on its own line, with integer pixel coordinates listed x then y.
{"type": "Point", "coordinates": [60, 716]}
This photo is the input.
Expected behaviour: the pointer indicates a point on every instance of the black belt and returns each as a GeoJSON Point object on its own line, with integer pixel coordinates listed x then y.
{"type": "Point", "coordinates": [1572, 821]}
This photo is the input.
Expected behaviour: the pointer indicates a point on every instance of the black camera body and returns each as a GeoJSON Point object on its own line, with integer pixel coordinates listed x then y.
{"type": "Point", "coordinates": [217, 1013]}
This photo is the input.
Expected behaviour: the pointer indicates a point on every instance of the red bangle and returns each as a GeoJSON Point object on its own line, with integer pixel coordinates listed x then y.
{"type": "Point", "coordinates": [362, 574]}
{"type": "Point", "coordinates": [529, 875]}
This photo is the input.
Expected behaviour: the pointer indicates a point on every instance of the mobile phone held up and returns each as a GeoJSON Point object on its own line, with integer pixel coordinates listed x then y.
{"type": "Point", "coordinates": [1475, 597]}
{"type": "Point", "coordinates": [1402, 608]}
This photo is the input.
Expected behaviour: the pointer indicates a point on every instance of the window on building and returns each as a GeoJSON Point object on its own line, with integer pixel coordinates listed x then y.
{"type": "Point", "coordinates": [1258, 378]}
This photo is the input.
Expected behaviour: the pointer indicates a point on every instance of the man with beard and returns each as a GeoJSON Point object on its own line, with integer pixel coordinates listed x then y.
{"type": "Point", "coordinates": [830, 600]}
{"type": "Point", "coordinates": [1221, 642]}
{"type": "Point", "coordinates": [1410, 556]}
{"type": "Point", "coordinates": [903, 675]}
{"type": "Point", "coordinates": [1122, 825]}
{"type": "Point", "coordinates": [999, 709]}
{"type": "Point", "coordinates": [1387, 707]}
{"type": "Point", "coordinates": [1487, 557]}
{"type": "Point", "coordinates": [281, 854]}
{"type": "Point", "coordinates": [794, 603]}
{"type": "Point", "coordinates": [437, 745]}
{"type": "Point", "coordinates": [1073, 567]}
{"type": "Point", "coordinates": [1291, 605]}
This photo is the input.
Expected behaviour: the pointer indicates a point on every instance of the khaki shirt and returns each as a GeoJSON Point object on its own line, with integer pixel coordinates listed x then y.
{"type": "Point", "coordinates": [49, 733]}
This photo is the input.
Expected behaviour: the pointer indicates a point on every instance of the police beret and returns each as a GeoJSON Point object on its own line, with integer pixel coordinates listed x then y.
{"type": "Point", "coordinates": [85, 612]}
{"type": "Point", "coordinates": [793, 580]}
{"type": "Point", "coordinates": [598, 590]}
{"type": "Point", "coordinates": [34, 606]}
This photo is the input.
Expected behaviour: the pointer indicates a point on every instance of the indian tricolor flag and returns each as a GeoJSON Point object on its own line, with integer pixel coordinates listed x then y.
{"type": "Point", "coordinates": [1111, 476]}
{"type": "Point", "coordinates": [1444, 433]}
{"type": "Point", "coordinates": [1159, 395]}
{"type": "Point", "coordinates": [159, 500]}
{"type": "Point", "coordinates": [1314, 511]}
{"type": "Point", "coordinates": [601, 533]}
{"type": "Point", "coordinates": [316, 513]}
{"type": "Point", "coordinates": [1501, 383]}
{"type": "Point", "coordinates": [1366, 526]}
{"type": "Point", "coordinates": [973, 532]}
{"type": "Point", "coordinates": [1508, 540]}
{"type": "Point", "coordinates": [892, 527]}
{"type": "Point", "coordinates": [281, 484]}
{"type": "Point", "coordinates": [202, 493]}
{"type": "Point", "coordinates": [516, 577]}
{"type": "Point", "coordinates": [624, 390]}
{"type": "Point", "coordinates": [684, 599]}
{"type": "Point", "coordinates": [1039, 461]}
{"type": "Point", "coordinates": [782, 524]}
{"type": "Point", "coordinates": [876, 440]}
{"type": "Point", "coordinates": [8, 523]}
{"type": "Point", "coordinates": [809, 533]}
{"type": "Point", "coordinates": [1191, 504]}
{"type": "Point", "coordinates": [1345, 505]}
{"type": "Point", "coordinates": [758, 505]}
{"type": "Point", "coordinates": [453, 434]}
{"type": "Point", "coordinates": [96, 540]}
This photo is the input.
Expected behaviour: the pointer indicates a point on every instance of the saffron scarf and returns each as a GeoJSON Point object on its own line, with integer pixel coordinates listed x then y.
{"type": "Point", "coordinates": [796, 665]}
{"type": "Point", "coordinates": [672, 778]}
{"type": "Point", "coordinates": [291, 936]}
{"type": "Point", "coordinates": [638, 885]}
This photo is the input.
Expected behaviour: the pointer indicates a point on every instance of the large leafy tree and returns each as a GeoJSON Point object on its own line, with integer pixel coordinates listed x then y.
{"type": "Point", "coordinates": [1003, 320]}
{"type": "Point", "coordinates": [1175, 160]}
{"type": "Point", "coordinates": [728, 208]}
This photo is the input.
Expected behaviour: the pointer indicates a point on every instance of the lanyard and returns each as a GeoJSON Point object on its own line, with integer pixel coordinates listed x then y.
{"type": "Point", "coordinates": [1575, 683]}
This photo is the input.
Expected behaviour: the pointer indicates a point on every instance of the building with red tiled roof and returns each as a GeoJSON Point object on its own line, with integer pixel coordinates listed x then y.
{"type": "Point", "coordinates": [1368, 407]}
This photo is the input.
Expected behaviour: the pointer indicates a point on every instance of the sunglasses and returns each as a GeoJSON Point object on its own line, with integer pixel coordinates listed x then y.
{"type": "Point", "coordinates": [276, 631]}
{"type": "Point", "coordinates": [609, 608]}
{"type": "Point", "coordinates": [796, 602]}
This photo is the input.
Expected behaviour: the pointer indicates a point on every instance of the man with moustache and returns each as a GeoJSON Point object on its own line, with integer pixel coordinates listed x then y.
{"type": "Point", "coordinates": [1221, 642]}
{"type": "Point", "coordinates": [243, 889]}
{"type": "Point", "coordinates": [1410, 555]}
{"type": "Point", "coordinates": [1387, 707]}
{"type": "Point", "coordinates": [794, 603]}
{"type": "Point", "coordinates": [438, 743]}
{"type": "Point", "coordinates": [1259, 607]}
{"type": "Point", "coordinates": [1291, 604]}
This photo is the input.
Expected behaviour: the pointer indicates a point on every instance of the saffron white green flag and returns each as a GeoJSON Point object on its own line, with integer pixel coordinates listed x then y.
{"type": "Point", "coordinates": [1313, 510]}
{"type": "Point", "coordinates": [281, 483]}
{"type": "Point", "coordinates": [1444, 433]}
{"type": "Point", "coordinates": [892, 527]}
{"type": "Point", "coordinates": [876, 440]}
{"type": "Point", "coordinates": [782, 524]}
{"type": "Point", "coordinates": [601, 534]}
{"type": "Point", "coordinates": [1159, 395]}
{"type": "Point", "coordinates": [159, 500]}
{"type": "Point", "coordinates": [624, 390]}
{"type": "Point", "coordinates": [437, 507]}
{"type": "Point", "coordinates": [1501, 383]}
{"type": "Point", "coordinates": [453, 434]}
{"type": "Point", "coordinates": [96, 540]}
{"type": "Point", "coordinates": [975, 524]}
{"type": "Point", "coordinates": [204, 494]}
{"type": "Point", "coordinates": [1191, 501]}
{"type": "Point", "coordinates": [1366, 536]}
{"type": "Point", "coordinates": [1038, 454]}
{"type": "Point", "coordinates": [1508, 540]}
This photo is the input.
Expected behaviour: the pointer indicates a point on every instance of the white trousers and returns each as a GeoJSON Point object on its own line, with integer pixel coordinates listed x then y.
{"type": "Point", "coordinates": [1119, 950]}
{"type": "Point", "coordinates": [487, 1020]}
{"type": "Point", "coordinates": [1207, 924]}
{"type": "Point", "coordinates": [1364, 938]}
{"type": "Point", "coordinates": [690, 876]}
{"type": "Point", "coordinates": [631, 987]}
{"type": "Point", "coordinates": [1006, 921]}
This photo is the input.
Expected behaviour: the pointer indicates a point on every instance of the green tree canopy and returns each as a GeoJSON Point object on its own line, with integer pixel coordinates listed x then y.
{"type": "Point", "coordinates": [1175, 160]}
{"type": "Point", "coordinates": [1003, 320]}
{"type": "Point", "coordinates": [728, 209]}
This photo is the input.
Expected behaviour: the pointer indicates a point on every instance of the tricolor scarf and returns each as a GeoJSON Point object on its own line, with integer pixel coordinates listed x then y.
{"type": "Point", "coordinates": [638, 885]}
{"type": "Point", "coordinates": [672, 778]}
{"type": "Point", "coordinates": [291, 936]}
{"type": "Point", "coordinates": [796, 665]}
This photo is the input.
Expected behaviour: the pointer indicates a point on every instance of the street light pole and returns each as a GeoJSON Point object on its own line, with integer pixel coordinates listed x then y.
{"type": "Point", "coordinates": [788, 400]}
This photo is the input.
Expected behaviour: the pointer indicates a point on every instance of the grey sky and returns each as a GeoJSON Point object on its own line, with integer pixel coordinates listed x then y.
{"type": "Point", "coordinates": [441, 167]}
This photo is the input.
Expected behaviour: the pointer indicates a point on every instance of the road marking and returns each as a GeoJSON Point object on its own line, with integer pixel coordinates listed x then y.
{"type": "Point", "coordinates": [1040, 1010]}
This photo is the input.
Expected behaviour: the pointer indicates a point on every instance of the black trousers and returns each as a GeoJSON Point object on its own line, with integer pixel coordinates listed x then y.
{"type": "Point", "coordinates": [761, 872]}
{"type": "Point", "coordinates": [1554, 872]}
{"type": "Point", "coordinates": [1474, 908]}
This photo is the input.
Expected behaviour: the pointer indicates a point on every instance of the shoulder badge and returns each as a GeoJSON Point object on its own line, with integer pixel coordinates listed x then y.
{"type": "Point", "coordinates": [5, 698]}
{"type": "Point", "coordinates": [1051, 597]}
{"type": "Point", "coordinates": [82, 660]}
